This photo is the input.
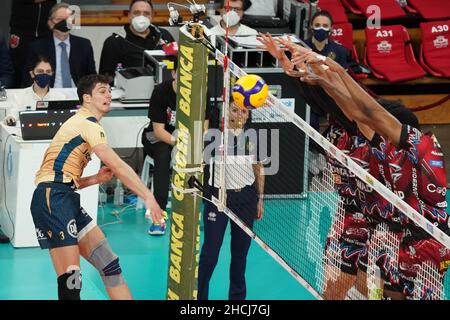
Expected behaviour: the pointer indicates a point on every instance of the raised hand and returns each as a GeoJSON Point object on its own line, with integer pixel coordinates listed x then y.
{"type": "Point", "coordinates": [277, 52]}
{"type": "Point", "coordinates": [269, 44]}
{"type": "Point", "coordinates": [333, 65]}
{"type": "Point", "coordinates": [291, 46]}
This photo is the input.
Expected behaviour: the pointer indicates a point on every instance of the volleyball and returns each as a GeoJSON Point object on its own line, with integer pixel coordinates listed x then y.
{"type": "Point", "coordinates": [250, 91]}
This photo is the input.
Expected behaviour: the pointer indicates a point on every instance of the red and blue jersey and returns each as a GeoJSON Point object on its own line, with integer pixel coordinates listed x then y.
{"type": "Point", "coordinates": [372, 204]}
{"type": "Point", "coordinates": [344, 179]}
{"type": "Point", "coordinates": [416, 172]}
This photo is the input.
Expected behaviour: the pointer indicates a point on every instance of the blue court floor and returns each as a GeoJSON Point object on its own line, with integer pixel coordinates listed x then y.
{"type": "Point", "coordinates": [28, 273]}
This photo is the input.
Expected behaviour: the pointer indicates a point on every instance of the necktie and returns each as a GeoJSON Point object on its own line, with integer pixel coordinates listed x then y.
{"type": "Point", "coordinates": [65, 67]}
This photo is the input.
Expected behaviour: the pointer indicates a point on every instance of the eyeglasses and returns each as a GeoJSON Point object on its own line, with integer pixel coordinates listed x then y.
{"type": "Point", "coordinates": [236, 9]}
{"type": "Point", "coordinates": [137, 13]}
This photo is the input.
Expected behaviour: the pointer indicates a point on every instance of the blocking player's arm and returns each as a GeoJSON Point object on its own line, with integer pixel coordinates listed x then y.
{"type": "Point", "coordinates": [334, 86]}
{"type": "Point", "coordinates": [128, 177]}
{"type": "Point", "coordinates": [367, 110]}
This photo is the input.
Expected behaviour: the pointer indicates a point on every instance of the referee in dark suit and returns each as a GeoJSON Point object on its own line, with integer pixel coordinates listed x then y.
{"type": "Point", "coordinates": [72, 56]}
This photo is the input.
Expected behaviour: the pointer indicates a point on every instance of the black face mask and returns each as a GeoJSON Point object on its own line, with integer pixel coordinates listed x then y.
{"type": "Point", "coordinates": [62, 26]}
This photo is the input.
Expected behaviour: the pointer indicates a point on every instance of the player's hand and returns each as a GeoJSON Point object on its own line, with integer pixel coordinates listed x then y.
{"type": "Point", "coordinates": [333, 65]}
{"type": "Point", "coordinates": [309, 57]}
{"type": "Point", "coordinates": [311, 78]}
{"type": "Point", "coordinates": [269, 44]}
{"type": "Point", "coordinates": [260, 209]}
{"type": "Point", "coordinates": [292, 47]}
{"type": "Point", "coordinates": [154, 212]}
{"type": "Point", "coordinates": [104, 175]}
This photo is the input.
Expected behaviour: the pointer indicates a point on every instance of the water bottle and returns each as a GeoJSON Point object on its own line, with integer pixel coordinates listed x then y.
{"type": "Point", "coordinates": [119, 68]}
{"type": "Point", "coordinates": [102, 197]}
{"type": "Point", "coordinates": [211, 11]}
{"type": "Point", "coordinates": [3, 94]}
{"type": "Point", "coordinates": [118, 194]}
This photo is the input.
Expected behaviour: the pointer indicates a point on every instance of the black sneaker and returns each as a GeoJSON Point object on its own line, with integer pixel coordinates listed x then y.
{"type": "Point", "coordinates": [3, 238]}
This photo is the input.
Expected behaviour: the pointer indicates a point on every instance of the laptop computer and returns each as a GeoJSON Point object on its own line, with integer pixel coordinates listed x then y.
{"type": "Point", "coordinates": [57, 104]}
{"type": "Point", "coordinates": [42, 124]}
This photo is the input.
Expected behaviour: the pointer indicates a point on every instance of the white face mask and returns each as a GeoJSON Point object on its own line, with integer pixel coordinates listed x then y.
{"type": "Point", "coordinates": [232, 17]}
{"type": "Point", "coordinates": [140, 23]}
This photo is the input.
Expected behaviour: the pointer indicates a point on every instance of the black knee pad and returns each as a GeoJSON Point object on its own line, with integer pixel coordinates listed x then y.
{"type": "Point", "coordinates": [69, 285]}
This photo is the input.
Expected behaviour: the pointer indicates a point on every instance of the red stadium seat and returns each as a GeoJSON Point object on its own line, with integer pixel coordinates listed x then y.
{"type": "Point", "coordinates": [335, 8]}
{"type": "Point", "coordinates": [431, 9]}
{"type": "Point", "coordinates": [352, 7]}
{"type": "Point", "coordinates": [343, 34]}
{"type": "Point", "coordinates": [435, 49]}
{"type": "Point", "coordinates": [389, 9]}
{"type": "Point", "coordinates": [389, 54]}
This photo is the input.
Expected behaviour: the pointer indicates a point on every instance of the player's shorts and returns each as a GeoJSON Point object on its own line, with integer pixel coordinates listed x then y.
{"type": "Point", "coordinates": [386, 251]}
{"type": "Point", "coordinates": [351, 243]}
{"type": "Point", "coordinates": [58, 217]}
{"type": "Point", "coordinates": [412, 255]}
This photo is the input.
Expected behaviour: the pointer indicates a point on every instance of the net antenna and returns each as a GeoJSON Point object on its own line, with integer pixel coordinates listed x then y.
{"type": "Point", "coordinates": [223, 149]}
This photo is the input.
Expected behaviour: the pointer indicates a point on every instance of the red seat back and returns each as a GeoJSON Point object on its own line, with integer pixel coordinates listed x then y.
{"type": "Point", "coordinates": [431, 9]}
{"type": "Point", "coordinates": [389, 56]}
{"type": "Point", "coordinates": [335, 8]}
{"type": "Point", "coordinates": [385, 45]}
{"type": "Point", "coordinates": [435, 56]}
{"type": "Point", "coordinates": [388, 8]}
{"type": "Point", "coordinates": [351, 5]}
{"type": "Point", "coordinates": [343, 34]}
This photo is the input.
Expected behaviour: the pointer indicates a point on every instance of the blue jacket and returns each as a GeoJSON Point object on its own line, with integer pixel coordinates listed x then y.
{"type": "Point", "coordinates": [335, 51]}
{"type": "Point", "coordinates": [6, 67]}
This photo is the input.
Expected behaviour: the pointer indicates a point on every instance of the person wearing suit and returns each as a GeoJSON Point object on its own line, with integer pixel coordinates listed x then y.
{"type": "Point", "coordinates": [72, 56]}
{"type": "Point", "coordinates": [6, 67]}
{"type": "Point", "coordinates": [28, 22]}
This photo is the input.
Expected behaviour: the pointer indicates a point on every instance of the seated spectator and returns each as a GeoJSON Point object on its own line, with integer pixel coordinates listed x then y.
{"type": "Point", "coordinates": [28, 22]}
{"type": "Point", "coordinates": [72, 56]}
{"type": "Point", "coordinates": [127, 47]}
{"type": "Point", "coordinates": [234, 17]}
{"type": "Point", "coordinates": [41, 73]}
{"type": "Point", "coordinates": [158, 140]}
{"type": "Point", "coordinates": [6, 67]}
{"type": "Point", "coordinates": [320, 42]}
{"type": "Point", "coordinates": [321, 25]}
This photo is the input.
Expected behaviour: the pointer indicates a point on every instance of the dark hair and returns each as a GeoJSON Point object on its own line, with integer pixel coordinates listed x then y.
{"type": "Point", "coordinates": [245, 3]}
{"type": "Point", "coordinates": [400, 112]}
{"type": "Point", "coordinates": [38, 59]}
{"type": "Point", "coordinates": [88, 83]}
{"type": "Point", "coordinates": [322, 13]}
{"type": "Point", "coordinates": [146, 1]}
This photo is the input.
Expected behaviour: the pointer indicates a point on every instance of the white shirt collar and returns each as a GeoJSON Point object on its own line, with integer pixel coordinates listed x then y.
{"type": "Point", "coordinates": [57, 41]}
{"type": "Point", "coordinates": [35, 95]}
